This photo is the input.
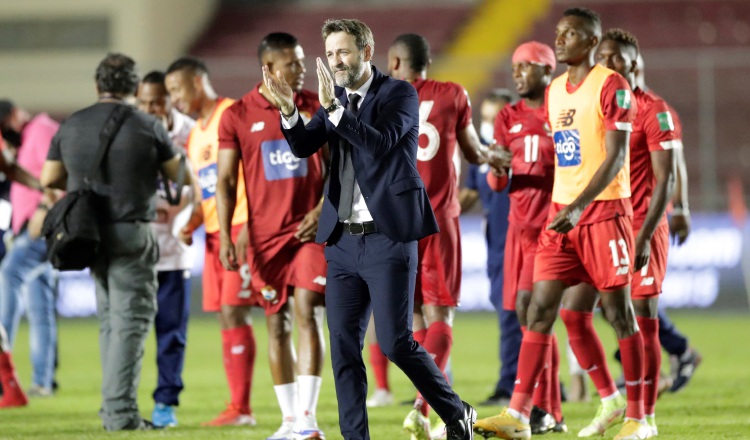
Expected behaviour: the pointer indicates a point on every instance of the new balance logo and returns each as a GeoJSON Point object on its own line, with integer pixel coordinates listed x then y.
{"type": "Point", "coordinates": [244, 294]}
{"type": "Point", "coordinates": [257, 126]}
{"type": "Point", "coordinates": [623, 270]}
{"type": "Point", "coordinates": [320, 280]}
{"type": "Point", "coordinates": [566, 117]}
{"type": "Point", "coordinates": [632, 383]}
{"type": "Point", "coordinates": [593, 368]}
{"type": "Point", "coordinates": [237, 349]}
{"type": "Point", "coordinates": [516, 128]}
{"type": "Point", "coordinates": [647, 281]}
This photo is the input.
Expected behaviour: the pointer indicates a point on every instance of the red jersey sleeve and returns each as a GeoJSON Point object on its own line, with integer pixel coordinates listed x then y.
{"type": "Point", "coordinates": [659, 127]}
{"type": "Point", "coordinates": [228, 138]}
{"type": "Point", "coordinates": [618, 104]}
{"type": "Point", "coordinates": [501, 127]}
{"type": "Point", "coordinates": [463, 108]}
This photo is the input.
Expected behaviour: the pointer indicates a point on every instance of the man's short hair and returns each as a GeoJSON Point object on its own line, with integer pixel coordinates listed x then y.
{"type": "Point", "coordinates": [276, 41]}
{"type": "Point", "coordinates": [418, 48]}
{"type": "Point", "coordinates": [154, 77]}
{"type": "Point", "coordinates": [6, 108]}
{"type": "Point", "coordinates": [194, 65]}
{"type": "Point", "coordinates": [590, 17]}
{"type": "Point", "coordinates": [623, 38]}
{"type": "Point", "coordinates": [117, 74]}
{"type": "Point", "coordinates": [500, 95]}
{"type": "Point", "coordinates": [360, 31]}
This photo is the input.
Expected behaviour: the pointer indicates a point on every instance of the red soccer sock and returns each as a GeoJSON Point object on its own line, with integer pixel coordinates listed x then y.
{"type": "Point", "coordinates": [631, 349]}
{"type": "Point", "coordinates": [13, 395]}
{"type": "Point", "coordinates": [541, 394]}
{"type": "Point", "coordinates": [379, 363]}
{"type": "Point", "coordinates": [651, 361]}
{"type": "Point", "coordinates": [534, 348]}
{"type": "Point", "coordinates": [438, 343]}
{"type": "Point", "coordinates": [588, 349]}
{"type": "Point", "coordinates": [554, 389]}
{"type": "Point", "coordinates": [241, 355]}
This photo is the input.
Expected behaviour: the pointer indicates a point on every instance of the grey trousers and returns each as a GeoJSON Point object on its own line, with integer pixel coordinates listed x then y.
{"type": "Point", "coordinates": [126, 305]}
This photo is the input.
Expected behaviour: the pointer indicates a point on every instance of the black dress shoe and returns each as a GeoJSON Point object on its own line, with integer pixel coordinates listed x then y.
{"type": "Point", "coordinates": [498, 398]}
{"type": "Point", "coordinates": [463, 428]}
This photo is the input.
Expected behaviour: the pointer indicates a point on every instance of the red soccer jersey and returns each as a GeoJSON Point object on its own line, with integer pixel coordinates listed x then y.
{"type": "Point", "coordinates": [444, 110]}
{"type": "Point", "coordinates": [281, 188]}
{"type": "Point", "coordinates": [653, 130]}
{"type": "Point", "coordinates": [526, 133]}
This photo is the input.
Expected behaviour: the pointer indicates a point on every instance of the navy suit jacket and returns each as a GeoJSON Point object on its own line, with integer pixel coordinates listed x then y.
{"type": "Point", "coordinates": [384, 137]}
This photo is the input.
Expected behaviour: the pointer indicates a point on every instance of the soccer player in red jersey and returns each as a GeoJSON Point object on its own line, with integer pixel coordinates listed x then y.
{"type": "Point", "coordinates": [444, 121]}
{"type": "Point", "coordinates": [652, 176]}
{"type": "Point", "coordinates": [589, 237]}
{"type": "Point", "coordinates": [283, 194]}
{"type": "Point", "coordinates": [523, 138]}
{"type": "Point", "coordinates": [225, 292]}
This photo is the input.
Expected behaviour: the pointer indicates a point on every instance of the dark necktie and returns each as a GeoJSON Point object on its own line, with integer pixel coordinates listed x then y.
{"type": "Point", "coordinates": [346, 170]}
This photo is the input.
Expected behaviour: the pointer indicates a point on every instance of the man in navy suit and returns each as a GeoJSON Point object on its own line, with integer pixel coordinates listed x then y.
{"type": "Point", "coordinates": [375, 211]}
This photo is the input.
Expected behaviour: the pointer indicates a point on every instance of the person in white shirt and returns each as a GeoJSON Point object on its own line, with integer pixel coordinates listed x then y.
{"type": "Point", "coordinates": [175, 258]}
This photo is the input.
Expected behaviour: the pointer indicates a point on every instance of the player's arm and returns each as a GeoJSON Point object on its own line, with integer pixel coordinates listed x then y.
{"type": "Point", "coordinates": [471, 146]}
{"type": "Point", "coordinates": [679, 220]}
{"type": "Point", "coordinates": [228, 164]}
{"type": "Point", "coordinates": [663, 165]}
{"type": "Point", "coordinates": [467, 137]}
{"type": "Point", "coordinates": [662, 141]}
{"type": "Point", "coordinates": [618, 122]}
{"type": "Point", "coordinates": [467, 197]}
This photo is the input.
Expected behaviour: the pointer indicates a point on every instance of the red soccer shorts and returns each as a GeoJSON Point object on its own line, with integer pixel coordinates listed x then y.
{"type": "Point", "coordinates": [599, 254]}
{"type": "Point", "coordinates": [221, 286]}
{"type": "Point", "coordinates": [279, 269]}
{"type": "Point", "coordinates": [518, 266]}
{"type": "Point", "coordinates": [439, 271]}
{"type": "Point", "coordinates": [647, 282]}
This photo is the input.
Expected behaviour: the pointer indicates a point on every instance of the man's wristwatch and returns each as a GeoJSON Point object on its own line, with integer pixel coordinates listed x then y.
{"type": "Point", "coordinates": [334, 105]}
{"type": "Point", "coordinates": [290, 114]}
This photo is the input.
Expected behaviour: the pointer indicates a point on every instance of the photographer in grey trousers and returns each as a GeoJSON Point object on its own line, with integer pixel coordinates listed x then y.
{"type": "Point", "coordinates": [124, 273]}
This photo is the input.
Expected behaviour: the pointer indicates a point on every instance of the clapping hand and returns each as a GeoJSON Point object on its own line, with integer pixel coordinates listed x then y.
{"type": "Point", "coordinates": [326, 93]}
{"type": "Point", "coordinates": [280, 90]}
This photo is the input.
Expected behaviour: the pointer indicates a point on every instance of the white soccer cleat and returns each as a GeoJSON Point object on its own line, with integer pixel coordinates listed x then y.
{"type": "Point", "coordinates": [381, 397]}
{"type": "Point", "coordinates": [285, 431]}
{"type": "Point", "coordinates": [306, 428]}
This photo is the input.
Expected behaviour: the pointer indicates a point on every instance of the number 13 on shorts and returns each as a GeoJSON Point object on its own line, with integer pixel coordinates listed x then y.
{"type": "Point", "coordinates": [620, 255]}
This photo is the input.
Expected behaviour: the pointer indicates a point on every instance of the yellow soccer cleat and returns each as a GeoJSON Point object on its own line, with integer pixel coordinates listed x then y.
{"type": "Point", "coordinates": [634, 430]}
{"type": "Point", "coordinates": [609, 414]}
{"type": "Point", "coordinates": [503, 426]}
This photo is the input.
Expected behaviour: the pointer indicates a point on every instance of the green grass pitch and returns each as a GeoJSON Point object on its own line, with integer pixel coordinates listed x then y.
{"type": "Point", "coordinates": [715, 405]}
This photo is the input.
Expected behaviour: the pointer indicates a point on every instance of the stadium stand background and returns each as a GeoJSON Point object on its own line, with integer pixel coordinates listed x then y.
{"type": "Point", "coordinates": [697, 54]}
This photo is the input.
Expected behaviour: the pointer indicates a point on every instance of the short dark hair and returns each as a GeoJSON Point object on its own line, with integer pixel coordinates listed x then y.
{"type": "Point", "coordinates": [276, 41]}
{"type": "Point", "coordinates": [360, 31]}
{"type": "Point", "coordinates": [6, 108]}
{"type": "Point", "coordinates": [154, 77]}
{"type": "Point", "coordinates": [418, 48]}
{"type": "Point", "coordinates": [117, 74]}
{"type": "Point", "coordinates": [497, 95]}
{"type": "Point", "coordinates": [591, 18]}
{"type": "Point", "coordinates": [195, 65]}
{"type": "Point", "coordinates": [623, 38]}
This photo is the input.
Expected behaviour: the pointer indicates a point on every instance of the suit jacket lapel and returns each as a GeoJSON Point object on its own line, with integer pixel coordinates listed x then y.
{"type": "Point", "coordinates": [374, 86]}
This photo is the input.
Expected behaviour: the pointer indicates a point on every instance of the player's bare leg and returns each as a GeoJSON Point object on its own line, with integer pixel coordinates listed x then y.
{"type": "Point", "coordinates": [238, 347]}
{"type": "Point", "coordinates": [309, 311]}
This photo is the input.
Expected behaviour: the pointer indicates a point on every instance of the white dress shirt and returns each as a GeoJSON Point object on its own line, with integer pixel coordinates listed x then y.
{"type": "Point", "coordinates": [360, 212]}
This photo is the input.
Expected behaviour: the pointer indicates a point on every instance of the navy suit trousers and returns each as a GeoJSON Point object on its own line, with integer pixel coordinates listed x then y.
{"type": "Point", "coordinates": [372, 272]}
